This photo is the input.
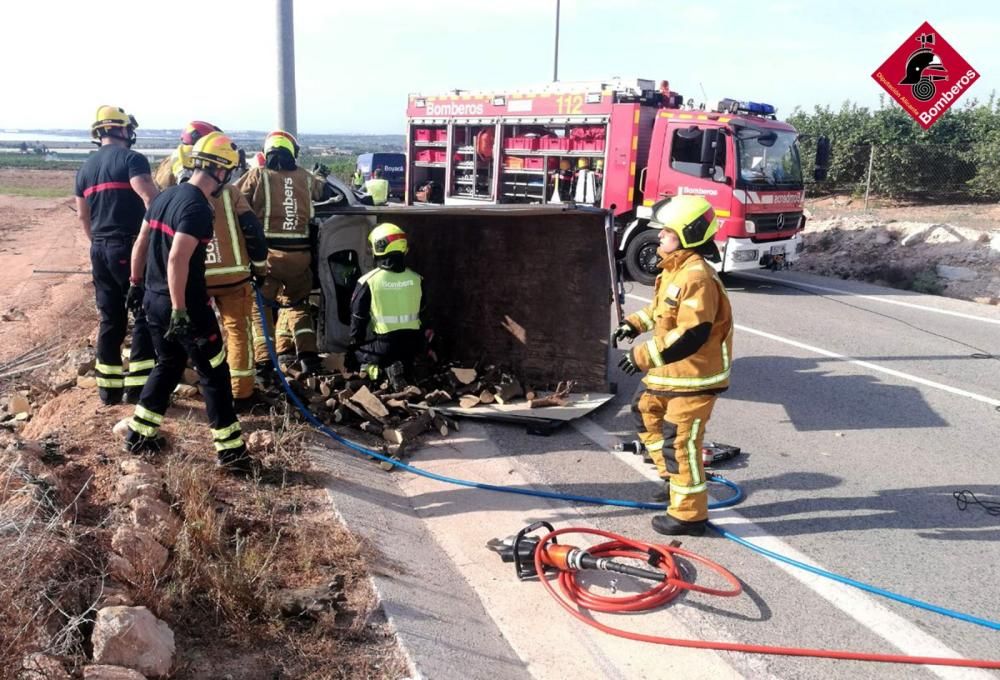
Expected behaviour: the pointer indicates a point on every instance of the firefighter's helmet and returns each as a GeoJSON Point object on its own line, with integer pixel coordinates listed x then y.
{"type": "Point", "coordinates": [387, 238]}
{"type": "Point", "coordinates": [923, 64]}
{"type": "Point", "coordinates": [195, 130]}
{"type": "Point", "coordinates": [111, 118]}
{"type": "Point", "coordinates": [215, 150]}
{"type": "Point", "coordinates": [582, 163]}
{"type": "Point", "coordinates": [564, 164]}
{"type": "Point", "coordinates": [690, 217]}
{"type": "Point", "coordinates": [279, 139]}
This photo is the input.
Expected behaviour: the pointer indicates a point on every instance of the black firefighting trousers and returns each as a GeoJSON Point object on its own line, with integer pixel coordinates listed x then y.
{"type": "Point", "coordinates": [110, 261]}
{"type": "Point", "coordinates": [207, 352]}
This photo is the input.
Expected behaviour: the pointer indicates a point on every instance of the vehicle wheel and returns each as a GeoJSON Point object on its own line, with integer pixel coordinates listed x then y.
{"type": "Point", "coordinates": [641, 260]}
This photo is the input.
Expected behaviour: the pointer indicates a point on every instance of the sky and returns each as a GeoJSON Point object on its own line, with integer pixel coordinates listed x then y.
{"type": "Point", "coordinates": [171, 62]}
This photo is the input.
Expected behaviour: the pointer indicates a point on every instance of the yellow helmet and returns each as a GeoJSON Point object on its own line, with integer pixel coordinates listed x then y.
{"type": "Point", "coordinates": [215, 150]}
{"type": "Point", "coordinates": [387, 238]}
{"type": "Point", "coordinates": [279, 139]}
{"type": "Point", "coordinates": [582, 163]}
{"type": "Point", "coordinates": [692, 218]}
{"type": "Point", "coordinates": [109, 118]}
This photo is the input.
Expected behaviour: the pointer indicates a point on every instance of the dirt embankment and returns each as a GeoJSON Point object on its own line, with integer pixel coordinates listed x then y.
{"type": "Point", "coordinates": [260, 580]}
{"type": "Point", "coordinates": [941, 250]}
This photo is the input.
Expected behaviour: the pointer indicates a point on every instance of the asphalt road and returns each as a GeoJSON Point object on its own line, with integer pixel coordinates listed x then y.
{"type": "Point", "coordinates": [860, 410]}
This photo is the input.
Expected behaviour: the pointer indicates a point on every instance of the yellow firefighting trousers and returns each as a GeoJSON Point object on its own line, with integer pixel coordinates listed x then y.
{"type": "Point", "coordinates": [235, 305]}
{"type": "Point", "coordinates": [289, 279]}
{"type": "Point", "coordinates": [678, 422]}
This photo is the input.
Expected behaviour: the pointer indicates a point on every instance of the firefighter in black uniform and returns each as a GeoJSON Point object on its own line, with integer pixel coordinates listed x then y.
{"type": "Point", "coordinates": [169, 261]}
{"type": "Point", "coordinates": [113, 190]}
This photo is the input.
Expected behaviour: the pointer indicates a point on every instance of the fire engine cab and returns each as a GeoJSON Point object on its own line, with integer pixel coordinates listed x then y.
{"type": "Point", "coordinates": [619, 145]}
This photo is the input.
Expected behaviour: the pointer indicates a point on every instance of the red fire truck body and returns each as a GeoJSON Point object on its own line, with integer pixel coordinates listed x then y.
{"type": "Point", "coordinates": [616, 145]}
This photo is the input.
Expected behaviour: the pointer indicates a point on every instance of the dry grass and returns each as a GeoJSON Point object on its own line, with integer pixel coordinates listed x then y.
{"type": "Point", "coordinates": [242, 545]}
{"type": "Point", "coordinates": [46, 572]}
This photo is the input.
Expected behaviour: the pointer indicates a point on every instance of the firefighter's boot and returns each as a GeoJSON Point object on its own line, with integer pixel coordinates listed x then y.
{"type": "Point", "coordinates": [671, 526]}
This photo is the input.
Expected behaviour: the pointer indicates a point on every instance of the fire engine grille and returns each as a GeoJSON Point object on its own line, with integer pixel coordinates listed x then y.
{"type": "Point", "coordinates": [770, 222]}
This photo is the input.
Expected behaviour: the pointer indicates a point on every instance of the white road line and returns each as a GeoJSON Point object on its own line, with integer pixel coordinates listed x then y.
{"type": "Point", "coordinates": [875, 298]}
{"type": "Point", "coordinates": [866, 610]}
{"type": "Point", "coordinates": [864, 364]}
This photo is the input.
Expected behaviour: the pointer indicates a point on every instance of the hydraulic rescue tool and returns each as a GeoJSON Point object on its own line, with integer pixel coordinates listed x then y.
{"type": "Point", "coordinates": [557, 567]}
{"type": "Point", "coordinates": [521, 548]}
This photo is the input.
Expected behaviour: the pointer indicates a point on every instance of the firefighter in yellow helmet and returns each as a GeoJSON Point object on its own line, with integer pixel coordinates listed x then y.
{"type": "Point", "coordinates": [687, 360]}
{"type": "Point", "coordinates": [172, 168]}
{"type": "Point", "coordinates": [236, 254]}
{"type": "Point", "coordinates": [281, 195]}
{"type": "Point", "coordinates": [113, 190]}
{"type": "Point", "coordinates": [386, 307]}
{"type": "Point", "coordinates": [169, 258]}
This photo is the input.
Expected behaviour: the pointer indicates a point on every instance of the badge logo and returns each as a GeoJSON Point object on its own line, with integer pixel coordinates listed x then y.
{"type": "Point", "coordinates": [925, 75]}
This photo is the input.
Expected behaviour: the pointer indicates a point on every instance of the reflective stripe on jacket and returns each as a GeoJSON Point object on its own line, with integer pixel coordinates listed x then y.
{"type": "Point", "coordinates": [687, 293]}
{"type": "Point", "coordinates": [282, 200]}
{"type": "Point", "coordinates": [395, 300]}
{"type": "Point", "coordinates": [226, 259]}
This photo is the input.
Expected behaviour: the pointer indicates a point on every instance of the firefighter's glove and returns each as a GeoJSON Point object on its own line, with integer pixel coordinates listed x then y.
{"type": "Point", "coordinates": [624, 332]}
{"type": "Point", "coordinates": [258, 274]}
{"type": "Point", "coordinates": [180, 328]}
{"type": "Point", "coordinates": [628, 364]}
{"type": "Point", "coordinates": [133, 299]}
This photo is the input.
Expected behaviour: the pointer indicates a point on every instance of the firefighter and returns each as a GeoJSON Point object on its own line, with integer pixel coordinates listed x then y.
{"type": "Point", "coordinates": [378, 188]}
{"type": "Point", "coordinates": [236, 254]}
{"type": "Point", "coordinates": [113, 189]}
{"type": "Point", "coordinates": [686, 361]}
{"type": "Point", "coordinates": [281, 194]}
{"type": "Point", "coordinates": [358, 180]}
{"type": "Point", "coordinates": [169, 259]}
{"type": "Point", "coordinates": [171, 169]}
{"type": "Point", "coordinates": [386, 307]}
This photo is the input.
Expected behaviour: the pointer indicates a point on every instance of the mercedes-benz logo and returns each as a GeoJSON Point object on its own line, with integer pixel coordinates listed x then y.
{"type": "Point", "coordinates": [781, 221]}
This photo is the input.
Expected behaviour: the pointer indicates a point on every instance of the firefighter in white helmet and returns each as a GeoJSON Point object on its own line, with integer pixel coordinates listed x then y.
{"type": "Point", "coordinates": [687, 360]}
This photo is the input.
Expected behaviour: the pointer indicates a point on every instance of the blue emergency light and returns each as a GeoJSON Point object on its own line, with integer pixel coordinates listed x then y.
{"type": "Point", "coordinates": [754, 108]}
{"type": "Point", "coordinates": [757, 108]}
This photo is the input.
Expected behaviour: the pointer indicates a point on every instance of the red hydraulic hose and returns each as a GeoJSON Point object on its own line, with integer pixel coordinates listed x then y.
{"type": "Point", "coordinates": [575, 596]}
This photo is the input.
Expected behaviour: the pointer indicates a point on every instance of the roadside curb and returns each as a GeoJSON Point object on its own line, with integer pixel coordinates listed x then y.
{"type": "Point", "coordinates": [442, 627]}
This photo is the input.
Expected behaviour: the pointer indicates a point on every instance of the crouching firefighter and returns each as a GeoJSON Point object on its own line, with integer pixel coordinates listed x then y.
{"type": "Point", "coordinates": [386, 307]}
{"type": "Point", "coordinates": [169, 260]}
{"type": "Point", "coordinates": [686, 361]}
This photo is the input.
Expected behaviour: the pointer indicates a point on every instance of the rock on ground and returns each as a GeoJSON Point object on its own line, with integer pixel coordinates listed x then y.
{"type": "Point", "coordinates": [105, 672]}
{"type": "Point", "coordinates": [134, 638]}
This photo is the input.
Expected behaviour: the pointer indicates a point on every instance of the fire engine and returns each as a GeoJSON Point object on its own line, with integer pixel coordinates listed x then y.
{"type": "Point", "coordinates": [622, 146]}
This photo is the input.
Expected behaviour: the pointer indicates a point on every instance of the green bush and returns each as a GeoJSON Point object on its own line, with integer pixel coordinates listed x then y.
{"type": "Point", "coordinates": [958, 156]}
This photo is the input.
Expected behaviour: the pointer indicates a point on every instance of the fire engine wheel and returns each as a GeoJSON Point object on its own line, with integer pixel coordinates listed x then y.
{"type": "Point", "coordinates": [641, 259]}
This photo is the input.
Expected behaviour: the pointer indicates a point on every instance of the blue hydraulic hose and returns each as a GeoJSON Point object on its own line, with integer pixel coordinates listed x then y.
{"type": "Point", "coordinates": [733, 500]}
{"type": "Point", "coordinates": [874, 590]}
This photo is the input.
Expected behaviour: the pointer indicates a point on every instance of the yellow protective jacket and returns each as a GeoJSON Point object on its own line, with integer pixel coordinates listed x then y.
{"type": "Point", "coordinates": [692, 322]}
{"type": "Point", "coordinates": [282, 200]}
{"type": "Point", "coordinates": [237, 241]}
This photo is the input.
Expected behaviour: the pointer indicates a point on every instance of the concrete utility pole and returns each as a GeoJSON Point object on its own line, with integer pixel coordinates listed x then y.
{"type": "Point", "coordinates": [286, 68]}
{"type": "Point", "coordinates": [555, 59]}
